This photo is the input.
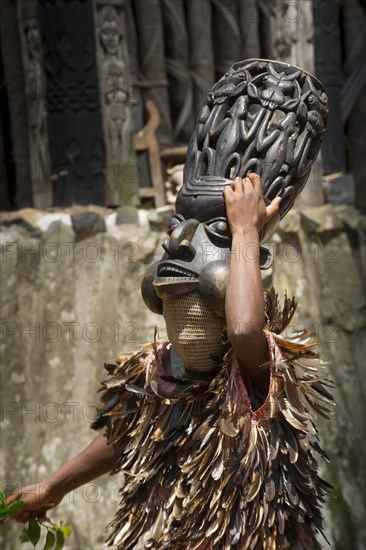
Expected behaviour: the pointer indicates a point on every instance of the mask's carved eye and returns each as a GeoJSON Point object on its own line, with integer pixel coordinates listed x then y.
{"type": "Point", "coordinates": [219, 228]}
{"type": "Point", "coordinates": [174, 222]}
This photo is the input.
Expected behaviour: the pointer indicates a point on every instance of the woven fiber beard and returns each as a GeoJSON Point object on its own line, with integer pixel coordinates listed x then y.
{"type": "Point", "coordinates": [194, 331]}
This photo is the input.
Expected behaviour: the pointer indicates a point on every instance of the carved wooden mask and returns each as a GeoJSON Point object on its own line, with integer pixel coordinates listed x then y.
{"type": "Point", "coordinates": [262, 116]}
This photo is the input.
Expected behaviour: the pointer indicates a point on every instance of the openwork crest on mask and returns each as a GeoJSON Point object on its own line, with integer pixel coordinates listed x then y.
{"type": "Point", "coordinates": [261, 116]}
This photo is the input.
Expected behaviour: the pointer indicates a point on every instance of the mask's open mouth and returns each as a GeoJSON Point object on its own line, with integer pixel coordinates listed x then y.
{"type": "Point", "coordinates": [174, 280]}
{"type": "Point", "coordinates": [168, 269]}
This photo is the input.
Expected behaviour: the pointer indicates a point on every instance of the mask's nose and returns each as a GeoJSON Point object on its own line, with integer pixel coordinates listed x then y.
{"type": "Point", "coordinates": [179, 244]}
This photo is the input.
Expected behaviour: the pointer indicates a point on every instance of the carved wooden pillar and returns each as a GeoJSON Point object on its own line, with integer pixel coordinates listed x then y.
{"type": "Point", "coordinates": [266, 14]}
{"type": "Point", "coordinates": [249, 21]}
{"type": "Point", "coordinates": [18, 113]}
{"type": "Point", "coordinates": [292, 35]}
{"type": "Point", "coordinates": [199, 23]}
{"type": "Point", "coordinates": [329, 71]}
{"type": "Point", "coordinates": [132, 47]}
{"type": "Point", "coordinates": [35, 88]}
{"type": "Point", "coordinates": [354, 93]}
{"type": "Point", "coordinates": [177, 63]}
{"type": "Point", "coordinates": [152, 62]}
{"type": "Point", "coordinates": [139, 94]}
{"type": "Point", "coordinates": [7, 171]}
{"type": "Point", "coordinates": [226, 31]}
{"type": "Point", "coordinates": [73, 102]}
{"type": "Point", "coordinates": [116, 93]}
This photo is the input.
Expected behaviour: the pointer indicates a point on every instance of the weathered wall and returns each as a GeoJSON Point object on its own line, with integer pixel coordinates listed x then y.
{"type": "Point", "coordinates": [320, 258]}
{"type": "Point", "coordinates": [50, 377]}
{"type": "Point", "coordinates": [73, 278]}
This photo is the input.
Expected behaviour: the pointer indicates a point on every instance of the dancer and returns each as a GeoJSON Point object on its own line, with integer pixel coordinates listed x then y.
{"type": "Point", "coordinates": [213, 428]}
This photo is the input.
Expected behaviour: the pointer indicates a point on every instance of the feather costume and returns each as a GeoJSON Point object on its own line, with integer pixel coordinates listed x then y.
{"type": "Point", "coordinates": [203, 469]}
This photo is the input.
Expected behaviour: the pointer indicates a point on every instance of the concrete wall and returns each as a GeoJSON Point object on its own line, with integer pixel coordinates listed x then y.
{"type": "Point", "coordinates": [70, 299]}
{"type": "Point", "coordinates": [320, 259]}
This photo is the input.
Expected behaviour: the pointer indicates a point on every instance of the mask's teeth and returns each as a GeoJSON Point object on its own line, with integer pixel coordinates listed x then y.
{"type": "Point", "coordinates": [173, 271]}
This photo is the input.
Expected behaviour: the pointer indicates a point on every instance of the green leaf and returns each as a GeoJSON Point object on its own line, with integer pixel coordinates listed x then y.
{"type": "Point", "coordinates": [23, 535]}
{"type": "Point", "coordinates": [12, 508]}
{"type": "Point", "coordinates": [66, 531]}
{"type": "Point", "coordinates": [60, 539]}
{"type": "Point", "coordinates": [51, 523]}
{"type": "Point", "coordinates": [34, 531]}
{"type": "Point", "coordinates": [2, 499]}
{"type": "Point", "coordinates": [50, 540]}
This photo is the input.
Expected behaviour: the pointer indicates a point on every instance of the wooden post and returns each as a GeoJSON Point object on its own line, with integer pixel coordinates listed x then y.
{"type": "Point", "coordinates": [116, 89]}
{"type": "Point", "coordinates": [199, 22]}
{"type": "Point", "coordinates": [152, 62]}
{"type": "Point", "coordinates": [354, 93]}
{"type": "Point", "coordinates": [177, 63]}
{"type": "Point", "coordinates": [329, 71]}
{"type": "Point", "coordinates": [73, 102]}
{"type": "Point", "coordinates": [292, 30]}
{"type": "Point", "coordinates": [249, 22]}
{"type": "Point", "coordinates": [227, 42]}
{"type": "Point", "coordinates": [35, 90]}
{"type": "Point", "coordinates": [16, 83]}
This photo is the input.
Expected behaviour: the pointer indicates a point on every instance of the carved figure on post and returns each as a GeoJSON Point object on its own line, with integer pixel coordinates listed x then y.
{"type": "Point", "coordinates": [117, 113]}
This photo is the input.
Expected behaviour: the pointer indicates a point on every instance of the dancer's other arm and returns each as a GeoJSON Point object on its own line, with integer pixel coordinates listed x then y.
{"type": "Point", "coordinates": [96, 459]}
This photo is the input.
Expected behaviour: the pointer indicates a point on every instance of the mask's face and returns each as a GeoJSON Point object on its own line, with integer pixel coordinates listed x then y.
{"type": "Point", "coordinates": [197, 254]}
{"type": "Point", "coordinates": [197, 251]}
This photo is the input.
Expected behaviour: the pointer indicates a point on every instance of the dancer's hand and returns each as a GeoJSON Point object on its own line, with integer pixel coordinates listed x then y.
{"type": "Point", "coordinates": [245, 204]}
{"type": "Point", "coordinates": [38, 499]}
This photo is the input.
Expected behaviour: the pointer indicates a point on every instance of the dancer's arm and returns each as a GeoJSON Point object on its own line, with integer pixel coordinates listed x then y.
{"type": "Point", "coordinates": [96, 459]}
{"type": "Point", "coordinates": [244, 306]}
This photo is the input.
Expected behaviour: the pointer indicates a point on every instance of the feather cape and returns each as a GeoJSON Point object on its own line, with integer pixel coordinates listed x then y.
{"type": "Point", "coordinates": [205, 471]}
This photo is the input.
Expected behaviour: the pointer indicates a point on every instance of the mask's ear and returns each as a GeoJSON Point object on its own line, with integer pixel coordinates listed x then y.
{"type": "Point", "coordinates": [253, 91]}
{"type": "Point", "coordinates": [265, 258]}
{"type": "Point", "coordinates": [151, 299]}
{"type": "Point", "coordinates": [212, 285]}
